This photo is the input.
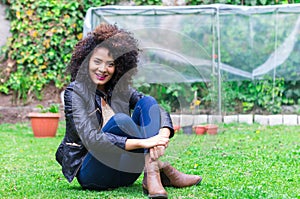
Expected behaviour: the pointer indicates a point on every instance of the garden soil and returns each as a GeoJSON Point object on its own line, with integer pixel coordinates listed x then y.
{"type": "Point", "coordinates": [15, 113]}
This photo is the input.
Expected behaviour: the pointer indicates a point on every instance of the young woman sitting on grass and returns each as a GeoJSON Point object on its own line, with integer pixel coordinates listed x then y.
{"type": "Point", "coordinates": [113, 132]}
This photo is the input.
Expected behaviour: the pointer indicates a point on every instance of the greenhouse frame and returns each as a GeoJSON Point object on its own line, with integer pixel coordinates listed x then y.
{"type": "Point", "coordinates": [211, 42]}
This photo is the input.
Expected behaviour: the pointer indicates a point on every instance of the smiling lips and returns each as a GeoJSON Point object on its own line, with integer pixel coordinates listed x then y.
{"type": "Point", "coordinates": [101, 77]}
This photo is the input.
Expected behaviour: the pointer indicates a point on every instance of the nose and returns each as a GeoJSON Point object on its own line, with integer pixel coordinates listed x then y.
{"type": "Point", "coordinates": [102, 67]}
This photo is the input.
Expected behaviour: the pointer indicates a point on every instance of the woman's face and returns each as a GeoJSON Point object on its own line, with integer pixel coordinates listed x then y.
{"type": "Point", "coordinates": [101, 67]}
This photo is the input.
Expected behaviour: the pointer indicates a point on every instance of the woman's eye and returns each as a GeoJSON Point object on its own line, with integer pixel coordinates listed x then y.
{"type": "Point", "coordinates": [98, 62]}
{"type": "Point", "coordinates": [111, 65]}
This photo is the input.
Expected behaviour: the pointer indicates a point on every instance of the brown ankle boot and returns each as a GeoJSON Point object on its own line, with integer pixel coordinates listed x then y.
{"type": "Point", "coordinates": [172, 177]}
{"type": "Point", "coordinates": [153, 186]}
{"type": "Point", "coordinates": [165, 181]}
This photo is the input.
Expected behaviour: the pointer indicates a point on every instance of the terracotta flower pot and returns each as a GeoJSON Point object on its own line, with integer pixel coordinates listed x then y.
{"type": "Point", "coordinates": [44, 124]}
{"type": "Point", "coordinates": [200, 129]}
{"type": "Point", "coordinates": [212, 129]}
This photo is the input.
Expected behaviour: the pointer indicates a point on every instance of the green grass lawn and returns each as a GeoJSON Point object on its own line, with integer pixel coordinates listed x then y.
{"type": "Point", "coordinates": [242, 161]}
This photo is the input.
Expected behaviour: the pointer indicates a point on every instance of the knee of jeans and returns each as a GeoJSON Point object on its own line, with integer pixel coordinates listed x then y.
{"type": "Point", "coordinates": [122, 118]}
{"type": "Point", "coordinates": [147, 100]}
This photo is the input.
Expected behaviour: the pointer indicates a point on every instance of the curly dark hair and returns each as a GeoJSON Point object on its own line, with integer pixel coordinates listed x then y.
{"type": "Point", "coordinates": [121, 44]}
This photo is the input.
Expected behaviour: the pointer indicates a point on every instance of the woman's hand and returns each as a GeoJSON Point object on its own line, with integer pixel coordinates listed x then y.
{"type": "Point", "coordinates": [156, 152]}
{"type": "Point", "coordinates": [157, 140]}
{"type": "Point", "coordinates": [165, 132]}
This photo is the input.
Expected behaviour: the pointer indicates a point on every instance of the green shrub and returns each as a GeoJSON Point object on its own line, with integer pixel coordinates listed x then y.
{"type": "Point", "coordinates": [43, 35]}
{"type": "Point", "coordinates": [52, 108]}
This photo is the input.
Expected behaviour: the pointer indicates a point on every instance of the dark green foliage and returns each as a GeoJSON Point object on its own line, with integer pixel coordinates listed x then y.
{"type": "Point", "coordinates": [43, 36]}
{"type": "Point", "coordinates": [53, 108]}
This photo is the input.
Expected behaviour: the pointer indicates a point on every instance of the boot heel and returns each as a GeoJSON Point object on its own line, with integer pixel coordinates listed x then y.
{"type": "Point", "coordinates": [158, 196]}
{"type": "Point", "coordinates": [146, 192]}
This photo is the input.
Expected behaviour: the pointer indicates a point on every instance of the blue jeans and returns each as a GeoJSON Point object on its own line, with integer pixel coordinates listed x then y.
{"type": "Point", "coordinates": [144, 123]}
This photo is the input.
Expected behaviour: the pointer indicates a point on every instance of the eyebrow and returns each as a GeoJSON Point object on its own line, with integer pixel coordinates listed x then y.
{"type": "Point", "coordinates": [98, 59]}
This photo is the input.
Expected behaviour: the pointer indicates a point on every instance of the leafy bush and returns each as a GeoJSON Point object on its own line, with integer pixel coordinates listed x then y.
{"type": "Point", "coordinates": [43, 35]}
{"type": "Point", "coordinates": [265, 94]}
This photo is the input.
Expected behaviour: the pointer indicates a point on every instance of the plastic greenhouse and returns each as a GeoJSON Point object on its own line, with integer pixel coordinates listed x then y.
{"type": "Point", "coordinates": [210, 43]}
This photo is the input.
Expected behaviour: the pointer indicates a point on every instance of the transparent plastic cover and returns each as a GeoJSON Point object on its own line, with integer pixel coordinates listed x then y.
{"type": "Point", "coordinates": [192, 43]}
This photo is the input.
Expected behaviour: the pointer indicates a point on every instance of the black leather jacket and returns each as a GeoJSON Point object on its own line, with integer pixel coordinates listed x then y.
{"type": "Point", "coordinates": [83, 123]}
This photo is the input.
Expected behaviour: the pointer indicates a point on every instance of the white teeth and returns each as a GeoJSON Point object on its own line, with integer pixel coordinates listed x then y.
{"type": "Point", "coordinates": [101, 76]}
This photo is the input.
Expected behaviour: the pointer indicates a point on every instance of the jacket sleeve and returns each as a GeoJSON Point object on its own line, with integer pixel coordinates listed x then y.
{"type": "Point", "coordinates": [84, 121]}
{"type": "Point", "coordinates": [166, 121]}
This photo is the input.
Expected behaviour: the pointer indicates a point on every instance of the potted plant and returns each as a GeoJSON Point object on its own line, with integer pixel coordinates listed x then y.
{"type": "Point", "coordinates": [45, 122]}
{"type": "Point", "coordinates": [200, 129]}
{"type": "Point", "coordinates": [212, 129]}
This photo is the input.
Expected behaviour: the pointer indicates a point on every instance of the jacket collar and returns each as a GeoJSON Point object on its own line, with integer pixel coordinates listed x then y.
{"type": "Point", "coordinates": [105, 96]}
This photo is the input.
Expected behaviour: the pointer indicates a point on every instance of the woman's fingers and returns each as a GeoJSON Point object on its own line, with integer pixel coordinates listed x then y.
{"type": "Point", "coordinates": [153, 154]}
{"type": "Point", "coordinates": [156, 152]}
{"type": "Point", "coordinates": [155, 141]}
{"type": "Point", "coordinates": [166, 146]}
{"type": "Point", "coordinates": [163, 141]}
{"type": "Point", "coordinates": [161, 150]}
